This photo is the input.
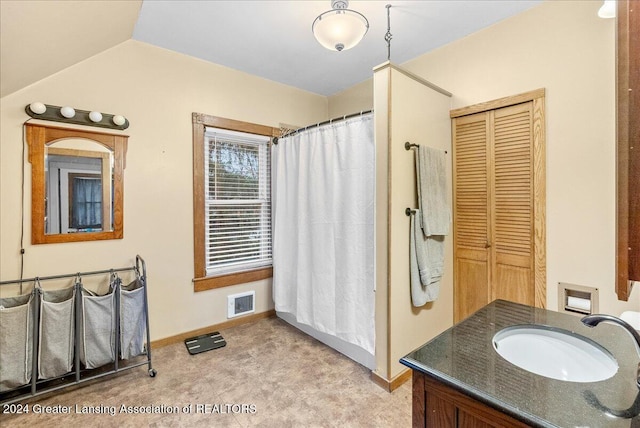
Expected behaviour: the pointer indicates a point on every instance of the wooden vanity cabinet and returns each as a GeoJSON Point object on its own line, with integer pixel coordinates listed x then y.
{"type": "Point", "coordinates": [436, 405]}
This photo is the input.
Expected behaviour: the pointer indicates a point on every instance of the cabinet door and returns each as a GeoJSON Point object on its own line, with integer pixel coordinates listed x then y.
{"type": "Point", "coordinates": [471, 213]}
{"type": "Point", "coordinates": [512, 187]}
{"type": "Point", "coordinates": [440, 413]}
{"type": "Point", "coordinates": [436, 405]}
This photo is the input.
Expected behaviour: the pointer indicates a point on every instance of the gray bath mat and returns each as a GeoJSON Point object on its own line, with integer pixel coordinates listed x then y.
{"type": "Point", "coordinates": [205, 342]}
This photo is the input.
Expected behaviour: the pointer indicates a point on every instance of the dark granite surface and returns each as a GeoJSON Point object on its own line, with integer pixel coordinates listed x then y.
{"type": "Point", "coordinates": [463, 357]}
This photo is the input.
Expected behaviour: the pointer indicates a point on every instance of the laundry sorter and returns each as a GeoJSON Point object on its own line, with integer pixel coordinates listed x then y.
{"type": "Point", "coordinates": [52, 339]}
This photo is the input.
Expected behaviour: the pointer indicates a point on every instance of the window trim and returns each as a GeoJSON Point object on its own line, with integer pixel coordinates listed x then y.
{"type": "Point", "coordinates": [201, 281]}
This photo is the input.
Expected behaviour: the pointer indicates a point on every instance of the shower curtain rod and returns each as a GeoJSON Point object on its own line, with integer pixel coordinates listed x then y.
{"type": "Point", "coordinates": [337, 119]}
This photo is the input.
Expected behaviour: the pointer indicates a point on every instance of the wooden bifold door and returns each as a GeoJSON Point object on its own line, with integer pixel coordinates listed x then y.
{"type": "Point", "coordinates": [499, 203]}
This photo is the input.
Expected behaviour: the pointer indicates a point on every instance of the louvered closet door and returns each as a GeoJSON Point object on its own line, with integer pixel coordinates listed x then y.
{"type": "Point", "coordinates": [512, 227]}
{"type": "Point", "coordinates": [471, 214]}
{"type": "Point", "coordinates": [494, 208]}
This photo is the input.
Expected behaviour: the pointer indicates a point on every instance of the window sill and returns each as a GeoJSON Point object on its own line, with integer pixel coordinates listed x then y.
{"type": "Point", "coordinates": [212, 282]}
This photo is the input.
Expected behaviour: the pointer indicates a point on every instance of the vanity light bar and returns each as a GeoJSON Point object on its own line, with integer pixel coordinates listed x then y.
{"type": "Point", "coordinates": [67, 114]}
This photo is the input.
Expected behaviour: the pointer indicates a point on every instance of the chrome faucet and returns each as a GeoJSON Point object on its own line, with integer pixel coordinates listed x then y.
{"type": "Point", "coordinates": [594, 320]}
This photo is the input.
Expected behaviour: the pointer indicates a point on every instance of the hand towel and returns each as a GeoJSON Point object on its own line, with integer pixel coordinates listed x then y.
{"type": "Point", "coordinates": [432, 191]}
{"type": "Point", "coordinates": [426, 257]}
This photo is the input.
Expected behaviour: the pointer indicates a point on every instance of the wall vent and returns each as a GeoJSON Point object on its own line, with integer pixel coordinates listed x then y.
{"type": "Point", "coordinates": [241, 304]}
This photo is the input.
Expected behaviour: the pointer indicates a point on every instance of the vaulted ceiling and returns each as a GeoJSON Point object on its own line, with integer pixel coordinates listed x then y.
{"type": "Point", "coordinates": [40, 38]}
{"type": "Point", "coordinates": [271, 39]}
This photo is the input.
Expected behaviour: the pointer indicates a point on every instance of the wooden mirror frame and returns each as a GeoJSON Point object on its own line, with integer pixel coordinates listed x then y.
{"type": "Point", "coordinates": [628, 136]}
{"type": "Point", "coordinates": [39, 137]}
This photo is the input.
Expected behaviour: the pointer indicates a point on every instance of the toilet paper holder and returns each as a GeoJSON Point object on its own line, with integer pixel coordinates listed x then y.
{"type": "Point", "coordinates": [577, 299]}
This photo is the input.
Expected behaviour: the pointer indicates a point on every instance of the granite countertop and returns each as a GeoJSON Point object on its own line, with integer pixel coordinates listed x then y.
{"type": "Point", "coordinates": [463, 358]}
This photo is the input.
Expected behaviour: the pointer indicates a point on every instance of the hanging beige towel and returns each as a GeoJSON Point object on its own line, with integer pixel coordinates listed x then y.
{"type": "Point", "coordinates": [431, 183]}
{"type": "Point", "coordinates": [426, 257]}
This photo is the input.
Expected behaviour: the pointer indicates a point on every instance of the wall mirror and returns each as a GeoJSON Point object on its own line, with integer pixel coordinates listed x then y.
{"type": "Point", "coordinates": [77, 184]}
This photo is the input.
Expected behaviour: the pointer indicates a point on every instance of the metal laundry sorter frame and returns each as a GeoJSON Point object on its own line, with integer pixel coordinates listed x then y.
{"type": "Point", "coordinates": [79, 375]}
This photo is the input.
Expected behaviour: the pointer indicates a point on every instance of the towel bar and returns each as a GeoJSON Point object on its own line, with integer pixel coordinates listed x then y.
{"type": "Point", "coordinates": [409, 212]}
{"type": "Point", "coordinates": [409, 146]}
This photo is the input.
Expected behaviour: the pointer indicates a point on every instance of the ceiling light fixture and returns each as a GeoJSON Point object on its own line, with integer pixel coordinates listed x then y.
{"type": "Point", "coordinates": [341, 28]}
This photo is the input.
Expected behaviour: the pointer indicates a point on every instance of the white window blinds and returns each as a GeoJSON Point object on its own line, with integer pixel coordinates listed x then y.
{"type": "Point", "coordinates": [237, 201]}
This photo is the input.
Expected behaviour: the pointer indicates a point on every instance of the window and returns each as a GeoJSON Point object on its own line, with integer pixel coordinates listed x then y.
{"type": "Point", "coordinates": [237, 201]}
{"type": "Point", "coordinates": [232, 202]}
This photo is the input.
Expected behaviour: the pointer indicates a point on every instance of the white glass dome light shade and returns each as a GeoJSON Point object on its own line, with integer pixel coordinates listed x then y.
{"type": "Point", "coordinates": [118, 120]}
{"type": "Point", "coordinates": [37, 107]}
{"type": "Point", "coordinates": [95, 116]}
{"type": "Point", "coordinates": [67, 112]}
{"type": "Point", "coordinates": [340, 29]}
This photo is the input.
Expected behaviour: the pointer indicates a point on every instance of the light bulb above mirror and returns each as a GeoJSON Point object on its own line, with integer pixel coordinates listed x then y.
{"type": "Point", "coordinates": [95, 116]}
{"type": "Point", "coordinates": [68, 112]}
{"type": "Point", "coordinates": [118, 120]}
{"type": "Point", "coordinates": [37, 107]}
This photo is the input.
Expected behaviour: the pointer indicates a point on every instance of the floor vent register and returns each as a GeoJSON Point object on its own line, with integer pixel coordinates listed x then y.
{"type": "Point", "coordinates": [205, 342]}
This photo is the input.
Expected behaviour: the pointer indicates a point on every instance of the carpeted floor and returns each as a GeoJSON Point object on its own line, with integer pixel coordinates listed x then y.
{"type": "Point", "coordinates": [269, 375]}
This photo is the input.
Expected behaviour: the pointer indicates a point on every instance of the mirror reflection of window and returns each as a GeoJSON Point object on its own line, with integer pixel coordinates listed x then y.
{"type": "Point", "coordinates": [79, 189]}
{"type": "Point", "coordinates": [74, 193]}
{"type": "Point", "coordinates": [85, 202]}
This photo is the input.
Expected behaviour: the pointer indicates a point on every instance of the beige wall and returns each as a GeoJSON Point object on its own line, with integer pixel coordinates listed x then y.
{"type": "Point", "coordinates": [406, 110]}
{"type": "Point", "coordinates": [352, 100]}
{"type": "Point", "coordinates": [564, 47]}
{"type": "Point", "coordinates": [157, 90]}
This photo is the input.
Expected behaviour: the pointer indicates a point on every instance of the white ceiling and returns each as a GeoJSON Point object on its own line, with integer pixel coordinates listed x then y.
{"type": "Point", "coordinates": [273, 39]}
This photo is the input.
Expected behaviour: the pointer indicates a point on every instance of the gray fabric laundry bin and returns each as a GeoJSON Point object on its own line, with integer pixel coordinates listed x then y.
{"type": "Point", "coordinates": [97, 328]}
{"type": "Point", "coordinates": [55, 353]}
{"type": "Point", "coordinates": [133, 323]}
{"type": "Point", "coordinates": [16, 341]}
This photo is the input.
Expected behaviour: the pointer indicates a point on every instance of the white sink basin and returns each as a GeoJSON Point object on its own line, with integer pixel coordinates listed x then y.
{"type": "Point", "coordinates": [555, 353]}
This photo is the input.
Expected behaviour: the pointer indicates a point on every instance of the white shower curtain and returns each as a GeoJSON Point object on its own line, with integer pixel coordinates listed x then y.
{"type": "Point", "coordinates": [323, 229]}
